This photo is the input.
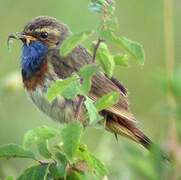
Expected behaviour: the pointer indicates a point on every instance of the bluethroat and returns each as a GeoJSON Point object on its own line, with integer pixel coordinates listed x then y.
{"type": "Point", "coordinates": [42, 65]}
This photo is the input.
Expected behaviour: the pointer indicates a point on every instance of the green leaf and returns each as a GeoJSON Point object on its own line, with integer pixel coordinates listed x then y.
{"type": "Point", "coordinates": [39, 135]}
{"type": "Point", "coordinates": [94, 164]}
{"type": "Point", "coordinates": [94, 116]}
{"type": "Point", "coordinates": [86, 74]}
{"type": "Point", "coordinates": [100, 169]}
{"type": "Point", "coordinates": [107, 101]}
{"type": "Point", "coordinates": [121, 59]}
{"type": "Point", "coordinates": [76, 176]}
{"type": "Point", "coordinates": [69, 88]}
{"type": "Point", "coordinates": [88, 70]}
{"type": "Point", "coordinates": [72, 90]}
{"type": "Point", "coordinates": [57, 171]}
{"type": "Point", "coordinates": [71, 135]}
{"type": "Point", "coordinates": [134, 48]}
{"type": "Point", "coordinates": [96, 7]}
{"type": "Point", "coordinates": [35, 173]}
{"type": "Point", "coordinates": [106, 59]}
{"type": "Point", "coordinates": [14, 150]}
{"type": "Point", "coordinates": [84, 155]}
{"type": "Point", "coordinates": [43, 149]}
{"type": "Point", "coordinates": [73, 41]}
{"type": "Point", "coordinates": [61, 158]}
{"type": "Point", "coordinates": [60, 86]}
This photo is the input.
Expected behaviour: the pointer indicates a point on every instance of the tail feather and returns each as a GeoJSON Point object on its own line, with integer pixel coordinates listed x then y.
{"type": "Point", "coordinates": [128, 129]}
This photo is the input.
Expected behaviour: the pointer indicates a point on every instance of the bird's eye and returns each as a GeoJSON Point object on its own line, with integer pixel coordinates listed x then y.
{"type": "Point", "coordinates": [44, 35]}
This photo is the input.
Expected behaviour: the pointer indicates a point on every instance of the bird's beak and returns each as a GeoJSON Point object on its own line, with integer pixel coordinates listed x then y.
{"type": "Point", "coordinates": [21, 36]}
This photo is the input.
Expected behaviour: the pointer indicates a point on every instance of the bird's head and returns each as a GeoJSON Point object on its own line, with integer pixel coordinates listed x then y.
{"type": "Point", "coordinates": [39, 36]}
{"type": "Point", "coordinates": [45, 30]}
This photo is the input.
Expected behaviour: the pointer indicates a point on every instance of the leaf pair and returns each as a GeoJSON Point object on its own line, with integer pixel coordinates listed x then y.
{"type": "Point", "coordinates": [133, 48]}
{"type": "Point", "coordinates": [69, 159]}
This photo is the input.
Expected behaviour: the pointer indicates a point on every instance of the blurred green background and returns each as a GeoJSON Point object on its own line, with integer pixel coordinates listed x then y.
{"type": "Point", "coordinates": [141, 21]}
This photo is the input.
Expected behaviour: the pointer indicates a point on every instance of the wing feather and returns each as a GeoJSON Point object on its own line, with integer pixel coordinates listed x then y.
{"type": "Point", "coordinates": [101, 85]}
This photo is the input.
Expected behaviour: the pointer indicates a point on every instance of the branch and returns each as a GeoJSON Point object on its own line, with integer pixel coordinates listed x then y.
{"type": "Point", "coordinates": [96, 49]}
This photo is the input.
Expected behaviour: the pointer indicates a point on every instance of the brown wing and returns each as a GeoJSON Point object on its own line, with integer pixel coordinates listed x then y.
{"type": "Point", "coordinates": [101, 84]}
{"type": "Point", "coordinates": [119, 119]}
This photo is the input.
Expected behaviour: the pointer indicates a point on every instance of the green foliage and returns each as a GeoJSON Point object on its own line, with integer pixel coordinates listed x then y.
{"type": "Point", "coordinates": [73, 41]}
{"type": "Point", "coordinates": [68, 158]}
{"type": "Point", "coordinates": [80, 83]}
{"type": "Point", "coordinates": [71, 135]}
{"type": "Point", "coordinates": [86, 73]}
{"type": "Point", "coordinates": [14, 150]}
{"type": "Point", "coordinates": [133, 48]}
{"type": "Point", "coordinates": [57, 170]}
{"type": "Point", "coordinates": [44, 150]}
{"type": "Point", "coordinates": [121, 59]}
{"type": "Point", "coordinates": [69, 93]}
{"type": "Point", "coordinates": [98, 169]}
{"type": "Point", "coordinates": [35, 173]}
{"type": "Point", "coordinates": [77, 84]}
{"type": "Point", "coordinates": [59, 87]}
{"type": "Point", "coordinates": [39, 135]}
{"type": "Point", "coordinates": [92, 111]}
{"type": "Point", "coordinates": [96, 7]}
{"type": "Point", "coordinates": [106, 59]}
{"type": "Point", "coordinates": [107, 101]}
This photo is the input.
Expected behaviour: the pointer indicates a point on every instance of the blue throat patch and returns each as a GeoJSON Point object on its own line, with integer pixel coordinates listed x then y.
{"type": "Point", "coordinates": [32, 58]}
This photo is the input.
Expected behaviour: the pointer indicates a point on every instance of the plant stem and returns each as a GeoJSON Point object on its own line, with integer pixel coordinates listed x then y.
{"type": "Point", "coordinates": [99, 41]}
{"type": "Point", "coordinates": [170, 64]}
{"type": "Point", "coordinates": [169, 37]}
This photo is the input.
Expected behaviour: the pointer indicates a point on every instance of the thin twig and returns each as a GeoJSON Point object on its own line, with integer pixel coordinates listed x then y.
{"type": "Point", "coordinates": [173, 143]}
{"type": "Point", "coordinates": [43, 162]}
{"type": "Point", "coordinates": [96, 49]}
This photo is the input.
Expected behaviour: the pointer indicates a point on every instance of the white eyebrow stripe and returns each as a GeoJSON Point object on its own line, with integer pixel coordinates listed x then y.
{"type": "Point", "coordinates": [48, 30]}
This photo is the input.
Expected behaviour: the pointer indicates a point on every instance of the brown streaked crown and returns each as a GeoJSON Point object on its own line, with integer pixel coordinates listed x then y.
{"type": "Point", "coordinates": [47, 29]}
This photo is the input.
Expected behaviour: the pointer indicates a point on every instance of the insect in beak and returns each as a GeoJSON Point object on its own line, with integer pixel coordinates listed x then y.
{"type": "Point", "coordinates": [20, 36]}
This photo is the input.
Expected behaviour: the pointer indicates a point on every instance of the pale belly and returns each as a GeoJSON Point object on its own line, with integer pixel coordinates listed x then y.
{"type": "Point", "coordinates": [60, 109]}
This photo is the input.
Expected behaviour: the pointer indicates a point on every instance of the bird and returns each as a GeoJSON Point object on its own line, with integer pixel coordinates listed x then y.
{"type": "Point", "coordinates": [42, 65]}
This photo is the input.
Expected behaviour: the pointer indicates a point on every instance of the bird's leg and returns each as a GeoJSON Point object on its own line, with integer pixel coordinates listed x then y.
{"type": "Point", "coordinates": [79, 106]}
